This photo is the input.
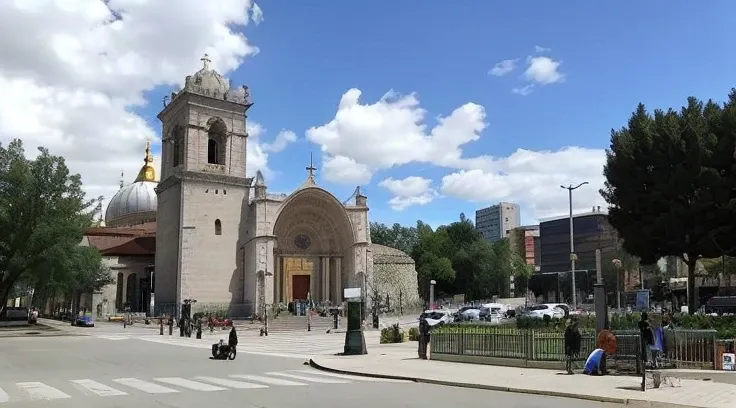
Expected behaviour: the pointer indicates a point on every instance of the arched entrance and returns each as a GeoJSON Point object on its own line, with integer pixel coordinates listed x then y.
{"type": "Point", "coordinates": [313, 236]}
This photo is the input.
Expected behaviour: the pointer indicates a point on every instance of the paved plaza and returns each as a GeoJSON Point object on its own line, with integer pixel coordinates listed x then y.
{"type": "Point", "coordinates": [107, 366]}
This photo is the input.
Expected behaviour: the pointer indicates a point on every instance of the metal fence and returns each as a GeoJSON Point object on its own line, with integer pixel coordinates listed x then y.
{"type": "Point", "coordinates": [232, 310]}
{"type": "Point", "coordinates": [683, 348]}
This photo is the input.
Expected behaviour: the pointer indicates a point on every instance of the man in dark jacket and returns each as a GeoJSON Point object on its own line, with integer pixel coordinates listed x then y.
{"type": "Point", "coordinates": [647, 336]}
{"type": "Point", "coordinates": [423, 337]}
{"type": "Point", "coordinates": [572, 344]}
{"type": "Point", "coordinates": [232, 341]}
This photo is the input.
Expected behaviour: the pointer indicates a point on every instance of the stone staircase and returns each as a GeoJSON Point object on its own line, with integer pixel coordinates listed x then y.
{"type": "Point", "coordinates": [286, 322]}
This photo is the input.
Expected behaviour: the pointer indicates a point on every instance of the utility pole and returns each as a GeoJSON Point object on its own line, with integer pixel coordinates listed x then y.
{"type": "Point", "coordinates": [573, 256]}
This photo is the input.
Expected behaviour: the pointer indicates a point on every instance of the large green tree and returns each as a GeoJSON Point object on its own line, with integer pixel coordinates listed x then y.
{"type": "Point", "coordinates": [396, 236]}
{"type": "Point", "coordinates": [669, 183]}
{"type": "Point", "coordinates": [42, 211]}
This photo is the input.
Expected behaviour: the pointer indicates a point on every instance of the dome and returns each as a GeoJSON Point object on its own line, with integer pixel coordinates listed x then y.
{"type": "Point", "coordinates": [207, 81]}
{"type": "Point", "coordinates": [138, 198]}
{"type": "Point", "coordinates": [135, 203]}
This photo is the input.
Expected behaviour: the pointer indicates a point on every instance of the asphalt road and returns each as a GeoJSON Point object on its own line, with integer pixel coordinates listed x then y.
{"type": "Point", "coordinates": [91, 372]}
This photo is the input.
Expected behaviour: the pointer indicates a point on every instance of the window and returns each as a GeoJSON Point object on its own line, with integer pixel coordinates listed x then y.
{"type": "Point", "coordinates": [212, 152]}
{"type": "Point", "coordinates": [218, 227]}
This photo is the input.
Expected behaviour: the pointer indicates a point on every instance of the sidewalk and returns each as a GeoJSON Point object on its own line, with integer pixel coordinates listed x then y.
{"type": "Point", "coordinates": [399, 361]}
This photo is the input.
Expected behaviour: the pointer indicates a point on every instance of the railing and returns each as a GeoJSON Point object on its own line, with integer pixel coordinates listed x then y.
{"type": "Point", "coordinates": [683, 348]}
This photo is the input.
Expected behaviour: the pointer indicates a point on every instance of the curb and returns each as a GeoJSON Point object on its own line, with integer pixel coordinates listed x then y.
{"type": "Point", "coordinates": [595, 398]}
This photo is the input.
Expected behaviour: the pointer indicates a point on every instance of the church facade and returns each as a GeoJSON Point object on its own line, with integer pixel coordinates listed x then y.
{"type": "Point", "coordinates": [221, 238]}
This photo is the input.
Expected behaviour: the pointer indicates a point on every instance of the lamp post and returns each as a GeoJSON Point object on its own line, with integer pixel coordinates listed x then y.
{"type": "Point", "coordinates": [573, 257]}
{"type": "Point", "coordinates": [264, 331]}
{"type": "Point", "coordinates": [431, 293]}
{"type": "Point", "coordinates": [617, 265]}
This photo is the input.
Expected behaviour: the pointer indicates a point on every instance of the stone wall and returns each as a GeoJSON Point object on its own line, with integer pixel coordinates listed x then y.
{"type": "Point", "coordinates": [395, 275]}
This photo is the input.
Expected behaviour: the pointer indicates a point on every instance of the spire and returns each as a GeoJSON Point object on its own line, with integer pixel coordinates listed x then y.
{"type": "Point", "coordinates": [147, 172]}
{"type": "Point", "coordinates": [311, 169]}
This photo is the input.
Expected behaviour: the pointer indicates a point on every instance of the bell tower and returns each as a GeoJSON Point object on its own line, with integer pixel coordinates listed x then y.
{"type": "Point", "coordinates": [202, 191]}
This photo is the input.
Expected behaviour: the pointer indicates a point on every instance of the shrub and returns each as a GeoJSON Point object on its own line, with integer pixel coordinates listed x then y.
{"type": "Point", "coordinates": [414, 334]}
{"type": "Point", "coordinates": [392, 334]}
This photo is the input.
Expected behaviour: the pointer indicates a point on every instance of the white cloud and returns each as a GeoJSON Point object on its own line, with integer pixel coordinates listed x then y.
{"type": "Point", "coordinates": [503, 67]}
{"type": "Point", "coordinates": [524, 90]}
{"type": "Point", "coordinates": [543, 71]}
{"type": "Point", "coordinates": [361, 139]}
{"type": "Point", "coordinates": [541, 50]}
{"type": "Point", "coordinates": [70, 72]}
{"type": "Point", "coordinates": [364, 138]}
{"type": "Point", "coordinates": [283, 139]}
{"type": "Point", "coordinates": [533, 179]}
{"type": "Point", "coordinates": [410, 191]}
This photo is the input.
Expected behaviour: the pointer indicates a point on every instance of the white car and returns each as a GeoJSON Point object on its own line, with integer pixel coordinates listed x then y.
{"type": "Point", "coordinates": [551, 310]}
{"type": "Point", "coordinates": [437, 317]}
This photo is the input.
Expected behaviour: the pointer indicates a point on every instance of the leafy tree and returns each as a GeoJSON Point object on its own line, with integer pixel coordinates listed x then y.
{"type": "Point", "coordinates": [42, 210]}
{"type": "Point", "coordinates": [397, 236]}
{"type": "Point", "coordinates": [669, 183]}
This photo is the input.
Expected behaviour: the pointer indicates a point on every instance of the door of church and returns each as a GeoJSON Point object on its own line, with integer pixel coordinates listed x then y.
{"type": "Point", "coordinates": [300, 287]}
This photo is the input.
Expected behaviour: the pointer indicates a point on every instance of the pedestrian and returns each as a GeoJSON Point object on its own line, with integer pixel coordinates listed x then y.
{"type": "Point", "coordinates": [646, 336]}
{"type": "Point", "coordinates": [232, 341]}
{"type": "Point", "coordinates": [423, 337]}
{"type": "Point", "coordinates": [569, 345]}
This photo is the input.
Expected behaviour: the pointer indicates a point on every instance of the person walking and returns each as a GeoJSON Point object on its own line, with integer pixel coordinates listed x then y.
{"type": "Point", "coordinates": [232, 341]}
{"type": "Point", "coordinates": [423, 337]}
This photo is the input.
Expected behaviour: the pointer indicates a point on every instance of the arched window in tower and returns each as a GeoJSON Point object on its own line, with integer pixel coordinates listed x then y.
{"type": "Point", "coordinates": [217, 141]}
{"type": "Point", "coordinates": [212, 151]}
{"type": "Point", "coordinates": [218, 227]}
{"type": "Point", "coordinates": [178, 138]}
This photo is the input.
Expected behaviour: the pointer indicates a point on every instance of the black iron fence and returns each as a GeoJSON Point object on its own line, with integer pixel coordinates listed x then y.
{"type": "Point", "coordinates": [682, 348]}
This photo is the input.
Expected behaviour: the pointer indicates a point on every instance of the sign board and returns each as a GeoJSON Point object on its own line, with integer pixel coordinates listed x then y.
{"type": "Point", "coordinates": [351, 293]}
{"type": "Point", "coordinates": [642, 300]}
{"type": "Point", "coordinates": [729, 361]}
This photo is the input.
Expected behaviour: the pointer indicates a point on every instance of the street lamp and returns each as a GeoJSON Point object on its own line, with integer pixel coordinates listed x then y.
{"type": "Point", "coordinates": [264, 331]}
{"type": "Point", "coordinates": [617, 264]}
{"type": "Point", "coordinates": [573, 257]}
{"type": "Point", "coordinates": [431, 293]}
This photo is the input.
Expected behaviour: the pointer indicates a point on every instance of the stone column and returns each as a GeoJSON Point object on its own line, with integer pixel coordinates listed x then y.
{"type": "Point", "coordinates": [277, 279]}
{"type": "Point", "coordinates": [325, 279]}
{"type": "Point", "coordinates": [338, 281]}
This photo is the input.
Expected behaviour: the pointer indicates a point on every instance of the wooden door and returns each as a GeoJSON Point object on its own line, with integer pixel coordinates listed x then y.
{"type": "Point", "coordinates": [299, 287]}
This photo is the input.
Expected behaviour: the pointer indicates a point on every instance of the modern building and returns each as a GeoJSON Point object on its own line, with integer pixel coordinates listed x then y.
{"type": "Point", "coordinates": [524, 241]}
{"type": "Point", "coordinates": [591, 231]}
{"type": "Point", "coordinates": [496, 221]}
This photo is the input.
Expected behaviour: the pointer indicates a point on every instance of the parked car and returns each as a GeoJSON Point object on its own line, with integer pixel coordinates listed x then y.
{"type": "Point", "coordinates": [539, 311]}
{"type": "Point", "coordinates": [84, 321]}
{"type": "Point", "coordinates": [437, 317]}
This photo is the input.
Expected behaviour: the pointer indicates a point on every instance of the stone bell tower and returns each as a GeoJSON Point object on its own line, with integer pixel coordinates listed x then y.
{"type": "Point", "coordinates": [202, 192]}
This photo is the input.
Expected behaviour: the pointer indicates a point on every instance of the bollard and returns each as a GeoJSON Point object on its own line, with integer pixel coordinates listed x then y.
{"type": "Point", "coordinates": [334, 320]}
{"type": "Point", "coordinates": [161, 326]}
{"type": "Point", "coordinates": [199, 331]}
{"type": "Point", "coordinates": [171, 326]}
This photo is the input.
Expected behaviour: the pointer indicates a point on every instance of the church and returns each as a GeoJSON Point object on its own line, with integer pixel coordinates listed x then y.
{"type": "Point", "coordinates": [208, 233]}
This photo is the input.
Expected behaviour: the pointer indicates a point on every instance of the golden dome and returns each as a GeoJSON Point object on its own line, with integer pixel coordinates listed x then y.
{"type": "Point", "coordinates": [147, 172]}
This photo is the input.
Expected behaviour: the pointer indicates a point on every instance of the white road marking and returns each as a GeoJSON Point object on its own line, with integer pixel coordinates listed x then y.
{"type": "Point", "coordinates": [266, 380]}
{"type": "Point", "coordinates": [97, 388]}
{"type": "Point", "coordinates": [147, 387]}
{"type": "Point", "coordinates": [41, 392]}
{"type": "Point", "coordinates": [192, 385]}
{"type": "Point", "coordinates": [349, 377]}
{"type": "Point", "coordinates": [230, 383]}
{"type": "Point", "coordinates": [311, 379]}
{"type": "Point", "coordinates": [3, 396]}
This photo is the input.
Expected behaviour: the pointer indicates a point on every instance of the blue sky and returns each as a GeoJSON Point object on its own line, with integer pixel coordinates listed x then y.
{"type": "Point", "coordinates": [610, 54]}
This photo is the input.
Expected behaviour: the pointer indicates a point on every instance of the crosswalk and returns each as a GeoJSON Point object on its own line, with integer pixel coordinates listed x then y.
{"type": "Point", "coordinates": [120, 387]}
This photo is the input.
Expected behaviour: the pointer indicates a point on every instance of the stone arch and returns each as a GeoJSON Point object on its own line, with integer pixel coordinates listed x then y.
{"type": "Point", "coordinates": [313, 221]}
{"type": "Point", "coordinates": [216, 141]}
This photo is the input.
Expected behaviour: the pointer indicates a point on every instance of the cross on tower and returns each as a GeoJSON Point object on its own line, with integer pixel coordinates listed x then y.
{"type": "Point", "coordinates": [206, 61]}
{"type": "Point", "coordinates": [311, 167]}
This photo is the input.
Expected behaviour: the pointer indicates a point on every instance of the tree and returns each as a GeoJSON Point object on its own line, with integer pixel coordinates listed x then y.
{"type": "Point", "coordinates": [397, 236]}
{"type": "Point", "coordinates": [669, 184]}
{"type": "Point", "coordinates": [42, 209]}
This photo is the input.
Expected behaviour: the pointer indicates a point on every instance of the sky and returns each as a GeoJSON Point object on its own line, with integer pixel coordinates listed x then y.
{"type": "Point", "coordinates": [433, 108]}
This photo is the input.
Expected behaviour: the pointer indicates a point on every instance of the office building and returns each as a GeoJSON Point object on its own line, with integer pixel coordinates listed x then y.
{"type": "Point", "coordinates": [496, 221]}
{"type": "Point", "coordinates": [524, 241]}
